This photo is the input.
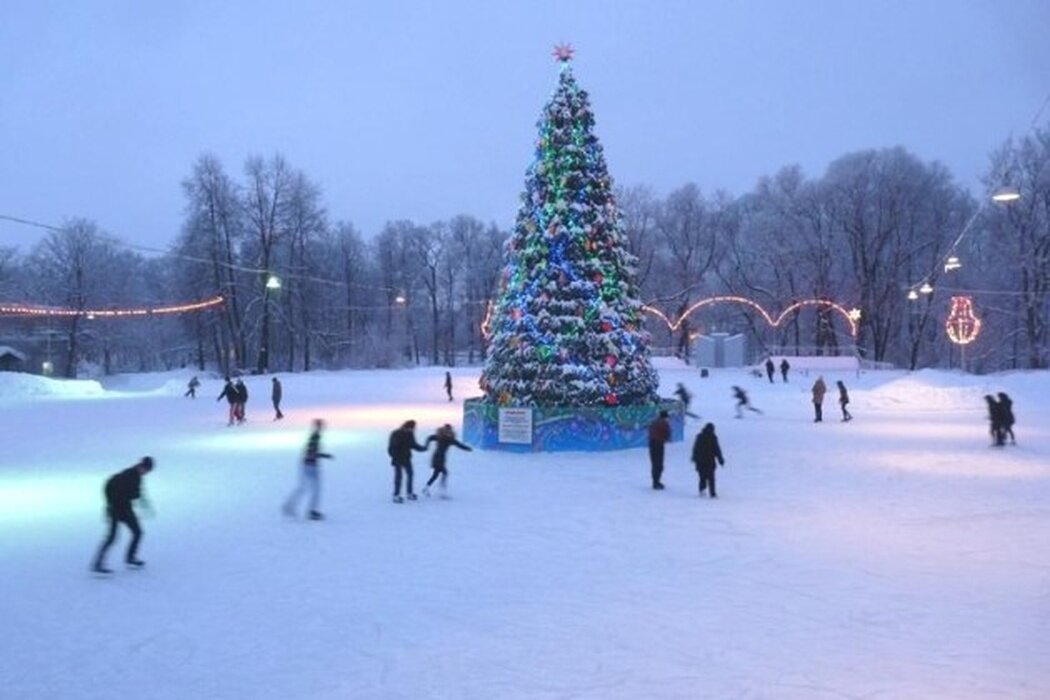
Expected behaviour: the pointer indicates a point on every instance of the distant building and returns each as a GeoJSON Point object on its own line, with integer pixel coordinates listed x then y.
{"type": "Point", "coordinates": [721, 350]}
{"type": "Point", "coordinates": [10, 359]}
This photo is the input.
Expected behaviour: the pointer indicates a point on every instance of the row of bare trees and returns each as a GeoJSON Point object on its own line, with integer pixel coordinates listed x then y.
{"type": "Point", "coordinates": [303, 292]}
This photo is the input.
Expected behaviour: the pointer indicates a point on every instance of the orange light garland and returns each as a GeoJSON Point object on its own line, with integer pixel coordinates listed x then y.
{"type": "Point", "coordinates": [50, 311]}
{"type": "Point", "coordinates": [851, 315]}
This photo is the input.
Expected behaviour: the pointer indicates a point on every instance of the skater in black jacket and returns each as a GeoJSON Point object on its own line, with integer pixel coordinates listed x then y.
{"type": "Point", "coordinates": [309, 476]}
{"type": "Point", "coordinates": [402, 442]}
{"type": "Point", "coordinates": [771, 369]}
{"type": "Point", "coordinates": [685, 397]}
{"type": "Point", "coordinates": [448, 385]}
{"type": "Point", "coordinates": [995, 418]}
{"type": "Point", "coordinates": [844, 401]}
{"type": "Point", "coordinates": [706, 452]}
{"type": "Point", "coordinates": [191, 388]}
{"type": "Point", "coordinates": [1006, 415]}
{"type": "Point", "coordinates": [445, 437]}
{"type": "Point", "coordinates": [242, 399]}
{"type": "Point", "coordinates": [784, 367]}
{"type": "Point", "coordinates": [121, 489]}
{"type": "Point", "coordinates": [229, 392]}
{"type": "Point", "coordinates": [275, 395]}
{"type": "Point", "coordinates": [742, 402]}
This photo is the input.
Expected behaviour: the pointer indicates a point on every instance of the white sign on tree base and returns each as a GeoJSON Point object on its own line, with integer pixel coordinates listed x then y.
{"type": "Point", "coordinates": [515, 425]}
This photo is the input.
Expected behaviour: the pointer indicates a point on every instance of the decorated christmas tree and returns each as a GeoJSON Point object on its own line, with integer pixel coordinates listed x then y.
{"type": "Point", "coordinates": [567, 327]}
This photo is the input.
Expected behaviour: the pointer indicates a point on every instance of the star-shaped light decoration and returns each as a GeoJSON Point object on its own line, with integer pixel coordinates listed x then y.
{"type": "Point", "coordinates": [563, 53]}
{"type": "Point", "coordinates": [854, 314]}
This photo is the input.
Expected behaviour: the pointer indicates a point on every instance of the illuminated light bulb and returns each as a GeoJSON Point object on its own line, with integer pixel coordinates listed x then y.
{"type": "Point", "coordinates": [1005, 195]}
{"type": "Point", "coordinates": [926, 288]}
{"type": "Point", "coordinates": [952, 263]}
{"type": "Point", "coordinates": [912, 295]}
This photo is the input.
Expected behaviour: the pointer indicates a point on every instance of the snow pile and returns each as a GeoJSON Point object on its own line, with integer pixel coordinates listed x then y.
{"type": "Point", "coordinates": [15, 385]}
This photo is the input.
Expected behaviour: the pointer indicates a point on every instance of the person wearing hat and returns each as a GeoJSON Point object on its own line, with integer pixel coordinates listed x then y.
{"type": "Point", "coordinates": [121, 489]}
{"type": "Point", "coordinates": [659, 435]}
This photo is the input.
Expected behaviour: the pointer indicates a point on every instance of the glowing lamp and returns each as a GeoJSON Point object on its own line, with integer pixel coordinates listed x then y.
{"type": "Point", "coordinates": [912, 295]}
{"type": "Point", "coordinates": [273, 282]}
{"type": "Point", "coordinates": [926, 288]}
{"type": "Point", "coordinates": [962, 325]}
{"type": "Point", "coordinates": [952, 263]}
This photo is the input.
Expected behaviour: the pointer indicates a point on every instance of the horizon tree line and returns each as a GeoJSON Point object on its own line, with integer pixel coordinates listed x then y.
{"type": "Point", "coordinates": [303, 292]}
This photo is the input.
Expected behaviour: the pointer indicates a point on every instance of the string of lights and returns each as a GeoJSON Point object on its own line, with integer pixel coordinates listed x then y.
{"type": "Point", "coordinates": [852, 316]}
{"type": "Point", "coordinates": [30, 310]}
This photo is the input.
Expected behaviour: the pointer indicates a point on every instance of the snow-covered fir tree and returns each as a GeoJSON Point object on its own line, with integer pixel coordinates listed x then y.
{"type": "Point", "coordinates": [567, 327]}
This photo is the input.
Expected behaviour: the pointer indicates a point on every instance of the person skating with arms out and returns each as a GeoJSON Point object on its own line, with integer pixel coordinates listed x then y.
{"type": "Point", "coordinates": [309, 476]}
{"type": "Point", "coordinates": [445, 437]}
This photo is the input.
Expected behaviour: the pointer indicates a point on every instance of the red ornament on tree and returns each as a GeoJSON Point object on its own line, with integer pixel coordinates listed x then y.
{"type": "Point", "coordinates": [962, 324]}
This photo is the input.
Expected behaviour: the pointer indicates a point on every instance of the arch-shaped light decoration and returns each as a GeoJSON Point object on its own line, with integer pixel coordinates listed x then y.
{"type": "Point", "coordinates": [962, 324]}
{"type": "Point", "coordinates": [852, 316]}
{"type": "Point", "coordinates": [31, 310]}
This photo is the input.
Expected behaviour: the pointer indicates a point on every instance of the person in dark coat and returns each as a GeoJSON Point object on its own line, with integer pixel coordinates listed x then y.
{"type": "Point", "coordinates": [191, 388]}
{"type": "Point", "coordinates": [229, 392]}
{"type": "Point", "coordinates": [995, 420]}
{"type": "Point", "coordinates": [402, 442]}
{"type": "Point", "coordinates": [659, 435]}
{"type": "Point", "coordinates": [843, 401]}
{"type": "Point", "coordinates": [445, 437]}
{"type": "Point", "coordinates": [706, 452]}
{"type": "Point", "coordinates": [784, 367]}
{"type": "Point", "coordinates": [242, 399]}
{"type": "Point", "coordinates": [819, 389]}
{"type": "Point", "coordinates": [309, 476]}
{"type": "Point", "coordinates": [742, 402]}
{"type": "Point", "coordinates": [685, 397]}
{"type": "Point", "coordinates": [1006, 415]}
{"type": "Point", "coordinates": [121, 489]}
{"type": "Point", "coordinates": [770, 369]}
{"type": "Point", "coordinates": [275, 396]}
{"type": "Point", "coordinates": [448, 385]}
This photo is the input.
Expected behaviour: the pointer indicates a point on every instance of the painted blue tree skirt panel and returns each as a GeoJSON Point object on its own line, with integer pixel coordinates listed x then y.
{"type": "Point", "coordinates": [564, 428]}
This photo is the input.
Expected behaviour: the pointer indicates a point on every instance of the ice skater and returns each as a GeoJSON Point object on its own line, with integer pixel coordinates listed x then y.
{"type": "Point", "coordinates": [743, 402]}
{"type": "Point", "coordinates": [229, 392]}
{"type": "Point", "coordinates": [685, 397]}
{"type": "Point", "coordinates": [309, 476]}
{"type": "Point", "coordinates": [771, 369]}
{"type": "Point", "coordinates": [445, 437]}
{"type": "Point", "coordinates": [402, 442]}
{"type": "Point", "coordinates": [784, 367]}
{"type": "Point", "coordinates": [191, 388]}
{"type": "Point", "coordinates": [819, 389]}
{"type": "Point", "coordinates": [121, 489]}
{"type": "Point", "coordinates": [706, 452]}
{"type": "Point", "coordinates": [844, 401]}
{"type": "Point", "coordinates": [659, 436]}
{"type": "Point", "coordinates": [275, 395]}
{"type": "Point", "coordinates": [1006, 414]}
{"type": "Point", "coordinates": [242, 400]}
{"type": "Point", "coordinates": [448, 385]}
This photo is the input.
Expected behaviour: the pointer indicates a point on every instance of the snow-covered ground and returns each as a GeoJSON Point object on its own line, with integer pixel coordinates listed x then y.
{"type": "Point", "coordinates": [896, 556]}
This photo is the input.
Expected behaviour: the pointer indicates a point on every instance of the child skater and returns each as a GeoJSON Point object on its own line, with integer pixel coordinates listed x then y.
{"type": "Point", "coordinates": [445, 437]}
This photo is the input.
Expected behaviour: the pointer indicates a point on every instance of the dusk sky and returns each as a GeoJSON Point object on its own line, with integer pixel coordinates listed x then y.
{"type": "Point", "coordinates": [425, 110]}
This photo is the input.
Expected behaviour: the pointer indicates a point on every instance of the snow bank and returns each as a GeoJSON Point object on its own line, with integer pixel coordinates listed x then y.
{"type": "Point", "coordinates": [15, 385]}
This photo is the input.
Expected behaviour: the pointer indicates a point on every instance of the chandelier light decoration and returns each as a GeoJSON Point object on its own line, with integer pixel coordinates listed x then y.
{"type": "Point", "coordinates": [962, 325]}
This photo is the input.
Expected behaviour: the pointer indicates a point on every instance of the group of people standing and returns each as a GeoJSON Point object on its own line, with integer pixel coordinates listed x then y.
{"type": "Point", "coordinates": [236, 395]}
{"type": "Point", "coordinates": [819, 390]}
{"type": "Point", "coordinates": [771, 369]}
{"type": "Point", "coordinates": [1001, 417]}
